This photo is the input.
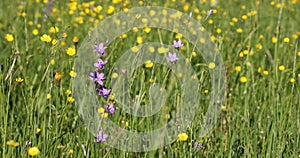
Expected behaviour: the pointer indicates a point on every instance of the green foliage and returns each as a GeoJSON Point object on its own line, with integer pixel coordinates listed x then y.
{"type": "Point", "coordinates": [260, 117]}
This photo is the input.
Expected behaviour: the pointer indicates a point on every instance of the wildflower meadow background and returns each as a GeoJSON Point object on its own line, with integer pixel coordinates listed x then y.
{"type": "Point", "coordinates": [40, 42]}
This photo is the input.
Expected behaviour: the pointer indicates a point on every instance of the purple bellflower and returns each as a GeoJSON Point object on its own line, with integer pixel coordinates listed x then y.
{"type": "Point", "coordinates": [102, 91]}
{"type": "Point", "coordinates": [100, 137]}
{"type": "Point", "coordinates": [100, 49]}
{"type": "Point", "coordinates": [100, 64]}
{"type": "Point", "coordinates": [177, 44]}
{"type": "Point", "coordinates": [110, 108]}
{"type": "Point", "coordinates": [97, 77]}
{"type": "Point", "coordinates": [172, 57]}
{"type": "Point", "coordinates": [210, 12]}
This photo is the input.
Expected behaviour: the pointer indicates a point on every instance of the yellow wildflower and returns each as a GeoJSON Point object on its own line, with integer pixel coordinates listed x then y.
{"type": "Point", "coordinates": [162, 50]}
{"type": "Point", "coordinates": [71, 51]}
{"type": "Point", "coordinates": [70, 99]}
{"type": "Point", "coordinates": [243, 79]}
{"type": "Point", "coordinates": [211, 65]}
{"type": "Point", "coordinates": [135, 49]}
{"type": "Point", "coordinates": [53, 29]}
{"type": "Point", "coordinates": [9, 37]}
{"type": "Point", "coordinates": [239, 30]}
{"type": "Point", "coordinates": [45, 38]}
{"type": "Point", "coordinates": [35, 32]}
{"type": "Point", "coordinates": [70, 152]}
{"type": "Point", "coordinates": [75, 39]}
{"type": "Point", "coordinates": [258, 46]}
{"type": "Point", "coordinates": [37, 130]}
{"type": "Point", "coordinates": [33, 151]}
{"type": "Point", "coordinates": [101, 110]}
{"type": "Point", "coordinates": [115, 75]}
{"type": "Point", "coordinates": [286, 40]}
{"type": "Point", "coordinates": [149, 64]}
{"type": "Point", "coordinates": [182, 136]}
{"type": "Point", "coordinates": [110, 9]}
{"type": "Point", "coordinates": [19, 79]}
{"type": "Point", "coordinates": [54, 42]}
{"type": "Point", "coordinates": [244, 17]}
{"type": "Point", "coordinates": [147, 29]}
{"type": "Point", "coordinates": [12, 143]}
{"type": "Point", "coordinates": [48, 96]}
{"type": "Point", "coordinates": [259, 70]}
{"type": "Point", "coordinates": [167, 116]}
{"type": "Point", "coordinates": [60, 147]}
{"type": "Point", "coordinates": [281, 68]}
{"type": "Point", "coordinates": [292, 80]}
{"type": "Point", "coordinates": [72, 73]}
{"type": "Point", "coordinates": [238, 68]}
{"type": "Point", "coordinates": [223, 107]}
{"type": "Point", "coordinates": [68, 92]}
{"type": "Point", "coordinates": [139, 39]}
{"type": "Point", "coordinates": [206, 91]}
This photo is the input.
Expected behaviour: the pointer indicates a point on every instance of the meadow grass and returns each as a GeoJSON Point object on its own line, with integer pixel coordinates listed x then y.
{"type": "Point", "coordinates": [258, 41]}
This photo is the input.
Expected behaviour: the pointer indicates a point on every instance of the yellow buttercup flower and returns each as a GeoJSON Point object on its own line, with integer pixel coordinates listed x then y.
{"type": "Point", "coordinates": [211, 65]}
{"type": "Point", "coordinates": [70, 99]}
{"type": "Point", "coordinates": [35, 32]}
{"type": "Point", "coordinates": [37, 130]}
{"type": "Point", "coordinates": [72, 73]}
{"type": "Point", "coordinates": [151, 49]}
{"type": "Point", "coordinates": [71, 151]}
{"type": "Point", "coordinates": [259, 70]}
{"type": "Point", "coordinates": [243, 79]}
{"type": "Point", "coordinates": [45, 38]}
{"type": "Point", "coordinates": [292, 80]}
{"type": "Point", "coordinates": [110, 9]}
{"type": "Point", "coordinates": [206, 91]}
{"type": "Point", "coordinates": [101, 110]}
{"type": "Point", "coordinates": [19, 79]}
{"type": "Point", "coordinates": [183, 136]}
{"type": "Point", "coordinates": [48, 96]}
{"type": "Point", "coordinates": [12, 143]}
{"type": "Point", "coordinates": [286, 40]}
{"type": "Point", "coordinates": [60, 147]}
{"type": "Point", "coordinates": [234, 19]}
{"type": "Point", "coordinates": [281, 68]}
{"type": "Point", "coordinates": [33, 151]}
{"type": "Point", "coordinates": [149, 64]}
{"type": "Point", "coordinates": [54, 29]}
{"type": "Point", "coordinates": [115, 75]}
{"type": "Point", "coordinates": [54, 42]}
{"type": "Point", "coordinates": [223, 108]}
{"type": "Point", "coordinates": [239, 30]}
{"type": "Point", "coordinates": [258, 46]}
{"type": "Point", "coordinates": [147, 29]}
{"type": "Point", "coordinates": [75, 39]}
{"type": "Point", "coordinates": [244, 17]}
{"type": "Point", "coordinates": [167, 116]}
{"type": "Point", "coordinates": [71, 51]}
{"type": "Point", "coordinates": [135, 49]}
{"type": "Point", "coordinates": [68, 92]}
{"type": "Point", "coordinates": [162, 50]}
{"type": "Point", "coordinates": [238, 68]}
{"type": "Point", "coordinates": [9, 37]}
{"type": "Point", "coordinates": [139, 39]}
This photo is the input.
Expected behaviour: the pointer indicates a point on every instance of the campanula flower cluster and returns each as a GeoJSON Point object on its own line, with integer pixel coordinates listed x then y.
{"type": "Point", "coordinates": [98, 77]}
